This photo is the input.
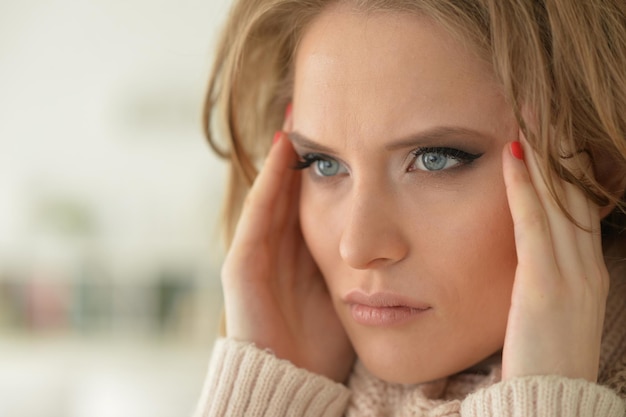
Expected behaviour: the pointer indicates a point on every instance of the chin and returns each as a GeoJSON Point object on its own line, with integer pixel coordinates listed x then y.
{"type": "Point", "coordinates": [402, 372]}
{"type": "Point", "coordinates": [416, 363]}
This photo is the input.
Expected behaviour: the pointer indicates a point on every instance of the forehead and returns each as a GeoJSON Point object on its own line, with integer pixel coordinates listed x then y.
{"type": "Point", "coordinates": [392, 65]}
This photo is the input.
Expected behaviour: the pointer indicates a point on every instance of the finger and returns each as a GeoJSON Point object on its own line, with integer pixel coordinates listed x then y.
{"type": "Point", "coordinates": [533, 238]}
{"type": "Point", "coordinates": [282, 205]}
{"type": "Point", "coordinates": [291, 239]}
{"type": "Point", "coordinates": [585, 216]}
{"type": "Point", "coordinates": [287, 208]}
{"type": "Point", "coordinates": [584, 211]}
{"type": "Point", "coordinates": [266, 193]}
{"type": "Point", "coordinates": [564, 239]}
{"type": "Point", "coordinates": [578, 163]}
{"type": "Point", "coordinates": [588, 235]}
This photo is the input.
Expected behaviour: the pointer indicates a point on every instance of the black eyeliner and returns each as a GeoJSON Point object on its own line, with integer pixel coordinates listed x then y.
{"type": "Point", "coordinates": [459, 155]}
{"type": "Point", "coordinates": [308, 160]}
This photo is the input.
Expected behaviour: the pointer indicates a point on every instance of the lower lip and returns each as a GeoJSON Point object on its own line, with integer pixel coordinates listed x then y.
{"type": "Point", "coordinates": [384, 316]}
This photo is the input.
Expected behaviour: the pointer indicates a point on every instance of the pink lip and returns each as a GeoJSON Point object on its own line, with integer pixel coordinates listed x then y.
{"type": "Point", "coordinates": [382, 308]}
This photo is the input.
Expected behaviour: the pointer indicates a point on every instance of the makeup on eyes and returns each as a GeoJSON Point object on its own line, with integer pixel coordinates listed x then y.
{"type": "Point", "coordinates": [433, 159]}
{"type": "Point", "coordinates": [439, 150]}
{"type": "Point", "coordinates": [307, 160]}
{"type": "Point", "coordinates": [325, 166]}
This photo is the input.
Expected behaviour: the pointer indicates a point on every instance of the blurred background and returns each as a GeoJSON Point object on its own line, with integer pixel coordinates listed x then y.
{"type": "Point", "coordinates": [109, 207]}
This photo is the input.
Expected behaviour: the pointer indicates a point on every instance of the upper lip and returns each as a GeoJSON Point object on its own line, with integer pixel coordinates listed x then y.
{"type": "Point", "coordinates": [383, 299]}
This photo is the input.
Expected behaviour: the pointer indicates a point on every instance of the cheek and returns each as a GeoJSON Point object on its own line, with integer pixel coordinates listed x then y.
{"type": "Point", "coordinates": [479, 244]}
{"type": "Point", "coordinates": [461, 242]}
{"type": "Point", "coordinates": [319, 220]}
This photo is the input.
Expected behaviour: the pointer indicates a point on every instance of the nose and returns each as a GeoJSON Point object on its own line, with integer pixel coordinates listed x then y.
{"type": "Point", "coordinates": [373, 236]}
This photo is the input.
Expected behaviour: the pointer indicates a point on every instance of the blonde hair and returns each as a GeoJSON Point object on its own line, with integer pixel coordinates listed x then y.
{"type": "Point", "coordinates": [561, 64]}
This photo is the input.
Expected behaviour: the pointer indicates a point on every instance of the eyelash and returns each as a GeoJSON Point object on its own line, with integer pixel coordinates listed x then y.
{"type": "Point", "coordinates": [308, 160]}
{"type": "Point", "coordinates": [463, 157]}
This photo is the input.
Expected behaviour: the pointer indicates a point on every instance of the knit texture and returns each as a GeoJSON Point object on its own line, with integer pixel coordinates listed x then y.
{"type": "Point", "coordinates": [544, 396]}
{"type": "Point", "coordinates": [246, 381]}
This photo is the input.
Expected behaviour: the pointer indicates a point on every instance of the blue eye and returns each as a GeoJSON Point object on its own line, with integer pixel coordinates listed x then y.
{"type": "Point", "coordinates": [438, 159]}
{"type": "Point", "coordinates": [323, 166]}
{"type": "Point", "coordinates": [435, 161]}
{"type": "Point", "coordinates": [327, 167]}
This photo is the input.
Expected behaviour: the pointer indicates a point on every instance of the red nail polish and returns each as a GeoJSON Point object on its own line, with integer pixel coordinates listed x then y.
{"type": "Point", "coordinates": [277, 136]}
{"type": "Point", "coordinates": [288, 110]}
{"type": "Point", "coordinates": [517, 151]}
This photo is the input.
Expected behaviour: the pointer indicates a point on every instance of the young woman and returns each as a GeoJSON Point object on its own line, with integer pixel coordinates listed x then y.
{"type": "Point", "coordinates": [424, 236]}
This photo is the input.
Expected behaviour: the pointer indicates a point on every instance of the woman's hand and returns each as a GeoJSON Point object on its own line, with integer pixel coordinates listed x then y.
{"type": "Point", "coordinates": [274, 294]}
{"type": "Point", "coordinates": [561, 282]}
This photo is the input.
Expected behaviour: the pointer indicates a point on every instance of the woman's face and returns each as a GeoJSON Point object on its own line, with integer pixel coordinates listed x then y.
{"type": "Point", "coordinates": [403, 206]}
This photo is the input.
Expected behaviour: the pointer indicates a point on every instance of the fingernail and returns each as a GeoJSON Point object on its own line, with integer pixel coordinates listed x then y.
{"type": "Point", "coordinates": [277, 136]}
{"type": "Point", "coordinates": [517, 151]}
{"type": "Point", "coordinates": [288, 110]}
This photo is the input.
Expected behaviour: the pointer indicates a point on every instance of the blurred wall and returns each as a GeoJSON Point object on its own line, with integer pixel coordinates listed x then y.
{"type": "Point", "coordinates": [103, 168]}
{"type": "Point", "coordinates": [109, 204]}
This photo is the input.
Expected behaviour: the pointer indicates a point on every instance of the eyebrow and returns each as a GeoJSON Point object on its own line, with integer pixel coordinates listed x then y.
{"type": "Point", "coordinates": [426, 137]}
{"type": "Point", "coordinates": [304, 142]}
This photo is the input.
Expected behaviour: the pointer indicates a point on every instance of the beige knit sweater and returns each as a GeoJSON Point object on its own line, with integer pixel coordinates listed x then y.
{"type": "Point", "coordinates": [246, 381]}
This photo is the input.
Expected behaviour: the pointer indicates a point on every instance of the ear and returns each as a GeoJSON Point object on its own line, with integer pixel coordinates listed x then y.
{"type": "Point", "coordinates": [611, 175]}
